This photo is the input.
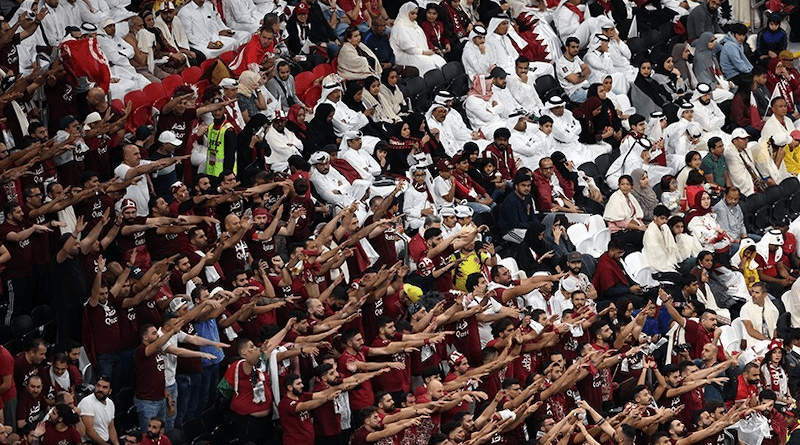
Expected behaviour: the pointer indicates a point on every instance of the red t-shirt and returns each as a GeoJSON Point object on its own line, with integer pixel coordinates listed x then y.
{"type": "Point", "coordinates": [327, 422]}
{"type": "Point", "coordinates": [242, 401]}
{"type": "Point", "coordinates": [698, 336]}
{"type": "Point", "coordinates": [298, 428]}
{"type": "Point", "coordinates": [104, 322]}
{"type": "Point", "coordinates": [23, 370]}
{"type": "Point", "coordinates": [7, 368]}
{"type": "Point", "coordinates": [21, 252]}
{"type": "Point", "coordinates": [51, 436]}
{"type": "Point", "coordinates": [362, 396]}
{"type": "Point", "coordinates": [30, 409]}
{"type": "Point", "coordinates": [150, 381]}
{"type": "Point", "coordinates": [162, 440]}
{"type": "Point", "coordinates": [396, 379]}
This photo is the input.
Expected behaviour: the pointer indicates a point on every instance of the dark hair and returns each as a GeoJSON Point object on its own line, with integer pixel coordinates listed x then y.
{"type": "Point", "coordinates": [349, 334]}
{"type": "Point", "coordinates": [545, 120]}
{"type": "Point", "coordinates": [712, 142]}
{"type": "Point", "coordinates": [688, 158]}
{"type": "Point", "coordinates": [290, 379]}
{"type": "Point", "coordinates": [350, 31]}
{"type": "Point", "coordinates": [629, 178]}
{"type": "Point", "coordinates": [571, 39]}
{"type": "Point", "coordinates": [738, 28]}
{"type": "Point", "coordinates": [433, 232]}
{"type": "Point", "coordinates": [661, 210]}
{"type": "Point", "coordinates": [502, 132]}
{"type": "Point", "coordinates": [472, 280]}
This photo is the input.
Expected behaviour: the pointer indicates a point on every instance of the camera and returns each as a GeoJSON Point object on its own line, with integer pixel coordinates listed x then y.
{"type": "Point", "coordinates": [683, 347]}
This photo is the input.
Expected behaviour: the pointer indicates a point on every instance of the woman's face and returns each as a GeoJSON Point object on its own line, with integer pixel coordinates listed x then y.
{"type": "Point", "coordinates": [473, 157]}
{"type": "Point", "coordinates": [359, 94]}
{"type": "Point", "coordinates": [330, 117]}
{"type": "Point", "coordinates": [673, 185]}
{"type": "Point", "coordinates": [677, 229]}
{"type": "Point", "coordinates": [624, 186]}
{"type": "Point", "coordinates": [629, 310]}
{"type": "Point", "coordinates": [392, 78]}
{"type": "Point", "coordinates": [704, 276]}
{"type": "Point", "coordinates": [712, 43]}
{"type": "Point", "coordinates": [707, 261]}
{"type": "Point", "coordinates": [705, 201]}
{"type": "Point", "coordinates": [686, 53]}
{"type": "Point", "coordinates": [644, 181]}
{"type": "Point", "coordinates": [601, 93]}
{"type": "Point", "coordinates": [669, 64]}
{"type": "Point", "coordinates": [645, 69]}
{"type": "Point", "coordinates": [773, 26]}
{"type": "Point", "coordinates": [607, 84]}
{"type": "Point", "coordinates": [413, 15]}
{"type": "Point", "coordinates": [405, 131]}
{"type": "Point", "coordinates": [355, 38]}
{"type": "Point", "coordinates": [431, 15]}
{"type": "Point", "coordinates": [695, 162]}
{"type": "Point", "coordinates": [780, 108]}
{"type": "Point", "coordinates": [375, 88]}
{"type": "Point", "coordinates": [596, 111]}
{"type": "Point", "coordinates": [301, 114]}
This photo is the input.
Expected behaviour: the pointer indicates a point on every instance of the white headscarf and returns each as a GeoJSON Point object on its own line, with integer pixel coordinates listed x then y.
{"type": "Point", "coordinates": [402, 16]}
{"type": "Point", "coordinates": [494, 22]}
{"type": "Point", "coordinates": [774, 237]}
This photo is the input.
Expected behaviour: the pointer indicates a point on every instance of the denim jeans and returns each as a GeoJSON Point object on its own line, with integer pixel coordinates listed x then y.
{"type": "Point", "coordinates": [480, 208]}
{"type": "Point", "coordinates": [170, 419]}
{"type": "Point", "coordinates": [148, 409]}
{"type": "Point", "coordinates": [579, 96]}
{"type": "Point", "coordinates": [127, 375]}
{"type": "Point", "coordinates": [110, 365]}
{"type": "Point", "coordinates": [208, 387]}
{"type": "Point", "coordinates": [188, 397]}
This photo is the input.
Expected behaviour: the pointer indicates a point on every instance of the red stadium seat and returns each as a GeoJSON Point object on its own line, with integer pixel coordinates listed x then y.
{"type": "Point", "coordinates": [171, 83]}
{"type": "Point", "coordinates": [312, 95]}
{"type": "Point", "coordinates": [322, 70]}
{"type": "Point", "coordinates": [207, 64]}
{"type": "Point", "coordinates": [140, 116]}
{"type": "Point", "coordinates": [192, 74]}
{"type": "Point", "coordinates": [304, 80]}
{"type": "Point", "coordinates": [153, 92]}
{"type": "Point", "coordinates": [136, 98]}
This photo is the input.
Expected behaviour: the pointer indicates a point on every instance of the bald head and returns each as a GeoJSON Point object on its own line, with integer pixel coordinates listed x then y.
{"type": "Point", "coordinates": [97, 98]}
{"type": "Point", "coordinates": [131, 155]}
{"type": "Point", "coordinates": [232, 223]}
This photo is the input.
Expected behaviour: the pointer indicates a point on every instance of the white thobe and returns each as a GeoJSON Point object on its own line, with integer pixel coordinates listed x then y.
{"type": "Point", "coordinates": [283, 146]}
{"type": "Point", "coordinates": [202, 25]}
{"type": "Point", "coordinates": [242, 15]}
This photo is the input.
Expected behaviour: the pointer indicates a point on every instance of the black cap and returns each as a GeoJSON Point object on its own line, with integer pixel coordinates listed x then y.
{"type": "Point", "coordinates": [498, 72]}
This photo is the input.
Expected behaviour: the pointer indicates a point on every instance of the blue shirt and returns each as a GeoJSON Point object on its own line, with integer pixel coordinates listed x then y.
{"type": "Point", "coordinates": [208, 330]}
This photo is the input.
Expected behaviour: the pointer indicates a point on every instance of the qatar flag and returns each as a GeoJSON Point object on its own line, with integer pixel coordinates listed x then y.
{"type": "Point", "coordinates": [83, 57]}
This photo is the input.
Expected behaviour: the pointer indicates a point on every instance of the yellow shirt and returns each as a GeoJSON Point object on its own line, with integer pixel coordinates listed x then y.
{"type": "Point", "coordinates": [792, 160]}
{"type": "Point", "coordinates": [471, 265]}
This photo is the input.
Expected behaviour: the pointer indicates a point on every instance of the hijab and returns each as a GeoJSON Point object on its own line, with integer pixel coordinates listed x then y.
{"type": "Point", "coordinates": [560, 163]}
{"type": "Point", "coordinates": [697, 208]}
{"type": "Point", "coordinates": [385, 79]}
{"type": "Point", "coordinates": [248, 82]}
{"type": "Point", "coordinates": [402, 16]}
{"type": "Point", "coordinates": [532, 240]}
{"type": "Point", "coordinates": [349, 95]}
{"type": "Point", "coordinates": [481, 87]}
{"type": "Point", "coordinates": [650, 87]}
{"type": "Point", "coordinates": [659, 67]}
{"type": "Point", "coordinates": [261, 149]}
{"type": "Point", "coordinates": [549, 221]}
{"type": "Point", "coordinates": [704, 57]}
{"type": "Point", "coordinates": [645, 195]}
{"type": "Point", "coordinates": [586, 109]}
{"type": "Point", "coordinates": [680, 64]}
{"type": "Point", "coordinates": [294, 112]}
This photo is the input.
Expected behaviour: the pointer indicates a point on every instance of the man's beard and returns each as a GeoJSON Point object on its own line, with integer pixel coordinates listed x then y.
{"type": "Point", "coordinates": [100, 396]}
{"type": "Point", "coordinates": [575, 270]}
{"type": "Point", "coordinates": [151, 435]}
{"type": "Point", "coordinates": [297, 392]}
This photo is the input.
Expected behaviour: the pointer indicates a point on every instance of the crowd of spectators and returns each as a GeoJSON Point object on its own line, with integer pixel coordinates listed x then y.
{"type": "Point", "coordinates": [362, 221]}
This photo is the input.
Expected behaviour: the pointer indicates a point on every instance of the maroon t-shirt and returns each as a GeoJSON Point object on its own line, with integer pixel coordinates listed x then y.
{"type": "Point", "coordinates": [21, 252]}
{"type": "Point", "coordinates": [51, 436]}
{"type": "Point", "coordinates": [128, 324]}
{"type": "Point", "coordinates": [298, 428]}
{"type": "Point", "coordinates": [98, 159]}
{"type": "Point", "coordinates": [92, 210]}
{"type": "Point", "coordinates": [23, 370]}
{"type": "Point", "coordinates": [260, 249]}
{"type": "Point", "coordinates": [383, 245]}
{"type": "Point", "coordinates": [133, 239]}
{"type": "Point", "coordinates": [396, 379]}
{"type": "Point", "coordinates": [326, 421]}
{"type": "Point", "coordinates": [31, 409]}
{"type": "Point", "coordinates": [104, 322]}
{"type": "Point", "coordinates": [163, 246]}
{"type": "Point", "coordinates": [234, 258]}
{"type": "Point", "coordinates": [189, 365]}
{"type": "Point", "coordinates": [362, 396]}
{"type": "Point", "coordinates": [180, 124]}
{"type": "Point", "coordinates": [7, 368]}
{"type": "Point", "coordinates": [466, 338]}
{"type": "Point", "coordinates": [150, 381]}
{"type": "Point", "coordinates": [40, 242]}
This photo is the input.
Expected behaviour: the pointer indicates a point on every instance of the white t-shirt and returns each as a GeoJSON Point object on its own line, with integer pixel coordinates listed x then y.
{"type": "Point", "coordinates": [565, 67]}
{"type": "Point", "coordinates": [103, 414]}
{"type": "Point", "coordinates": [171, 360]}
{"type": "Point", "coordinates": [139, 192]}
{"type": "Point", "coordinates": [441, 187]}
